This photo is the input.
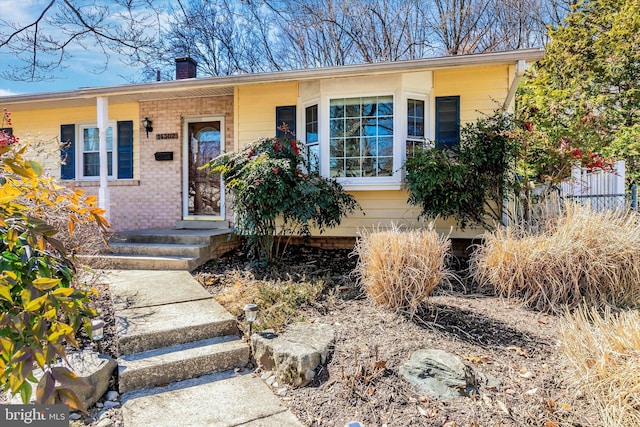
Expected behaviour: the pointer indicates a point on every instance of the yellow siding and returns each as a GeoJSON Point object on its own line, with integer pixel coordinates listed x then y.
{"type": "Point", "coordinates": [480, 88]}
{"type": "Point", "coordinates": [382, 208]}
{"type": "Point", "coordinates": [42, 129]}
{"type": "Point", "coordinates": [256, 109]}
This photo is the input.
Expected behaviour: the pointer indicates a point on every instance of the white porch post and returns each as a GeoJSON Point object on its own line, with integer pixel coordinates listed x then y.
{"type": "Point", "coordinates": [103, 124]}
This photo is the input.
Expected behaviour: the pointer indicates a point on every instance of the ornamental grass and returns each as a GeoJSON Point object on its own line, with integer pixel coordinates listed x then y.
{"type": "Point", "coordinates": [578, 256]}
{"type": "Point", "coordinates": [399, 269]}
{"type": "Point", "coordinates": [603, 353]}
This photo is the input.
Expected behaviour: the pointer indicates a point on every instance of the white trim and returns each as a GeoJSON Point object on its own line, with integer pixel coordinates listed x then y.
{"type": "Point", "coordinates": [185, 166]}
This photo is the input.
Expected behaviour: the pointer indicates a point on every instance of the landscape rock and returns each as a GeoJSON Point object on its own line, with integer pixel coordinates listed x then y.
{"type": "Point", "coordinates": [439, 375]}
{"type": "Point", "coordinates": [93, 369]}
{"type": "Point", "coordinates": [96, 370]}
{"type": "Point", "coordinates": [294, 355]}
{"type": "Point", "coordinates": [112, 395]}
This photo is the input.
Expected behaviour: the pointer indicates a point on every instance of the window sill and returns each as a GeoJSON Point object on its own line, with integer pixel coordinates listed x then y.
{"type": "Point", "coordinates": [370, 187]}
{"type": "Point", "coordinates": [115, 183]}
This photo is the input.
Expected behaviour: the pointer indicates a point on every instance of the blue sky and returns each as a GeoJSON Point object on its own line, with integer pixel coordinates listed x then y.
{"type": "Point", "coordinates": [82, 68]}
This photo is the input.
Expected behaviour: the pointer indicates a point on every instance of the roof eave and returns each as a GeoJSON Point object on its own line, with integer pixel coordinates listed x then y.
{"type": "Point", "coordinates": [528, 55]}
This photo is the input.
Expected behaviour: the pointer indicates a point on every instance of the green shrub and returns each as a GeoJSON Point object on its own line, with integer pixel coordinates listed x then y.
{"type": "Point", "coordinates": [468, 183]}
{"type": "Point", "coordinates": [276, 194]}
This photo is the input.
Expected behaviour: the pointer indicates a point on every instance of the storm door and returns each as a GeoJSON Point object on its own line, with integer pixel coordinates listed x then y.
{"type": "Point", "coordinates": [204, 191]}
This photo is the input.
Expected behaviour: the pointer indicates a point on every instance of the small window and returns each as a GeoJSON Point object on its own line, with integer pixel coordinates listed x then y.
{"type": "Point", "coordinates": [90, 146]}
{"type": "Point", "coordinates": [286, 121]}
{"type": "Point", "coordinates": [311, 137]}
{"type": "Point", "coordinates": [447, 121]}
{"type": "Point", "coordinates": [415, 126]}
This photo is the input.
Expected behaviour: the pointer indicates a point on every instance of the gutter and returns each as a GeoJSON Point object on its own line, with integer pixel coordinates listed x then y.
{"type": "Point", "coordinates": [521, 67]}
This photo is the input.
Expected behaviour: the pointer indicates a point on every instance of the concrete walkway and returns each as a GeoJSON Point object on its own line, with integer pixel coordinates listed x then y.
{"type": "Point", "coordinates": [178, 349]}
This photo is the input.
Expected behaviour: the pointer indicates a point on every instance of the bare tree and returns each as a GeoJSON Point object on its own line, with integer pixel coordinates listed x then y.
{"type": "Point", "coordinates": [44, 44]}
{"type": "Point", "coordinates": [238, 36]}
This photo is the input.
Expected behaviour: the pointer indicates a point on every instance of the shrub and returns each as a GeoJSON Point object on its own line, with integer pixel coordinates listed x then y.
{"type": "Point", "coordinates": [469, 182]}
{"type": "Point", "coordinates": [399, 269]}
{"type": "Point", "coordinates": [40, 309]}
{"type": "Point", "coordinates": [577, 256]}
{"type": "Point", "coordinates": [603, 353]}
{"type": "Point", "coordinates": [271, 181]}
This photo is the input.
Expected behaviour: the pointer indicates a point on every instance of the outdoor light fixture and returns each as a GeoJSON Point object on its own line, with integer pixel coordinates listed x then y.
{"type": "Point", "coordinates": [146, 124]}
{"type": "Point", "coordinates": [97, 329]}
{"type": "Point", "coordinates": [250, 314]}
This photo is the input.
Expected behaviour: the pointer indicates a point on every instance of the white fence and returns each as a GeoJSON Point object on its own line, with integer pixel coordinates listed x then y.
{"type": "Point", "coordinates": [599, 189]}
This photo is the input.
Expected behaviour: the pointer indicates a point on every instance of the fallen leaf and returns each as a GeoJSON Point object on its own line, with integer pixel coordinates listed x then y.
{"type": "Point", "coordinates": [519, 350]}
{"type": "Point", "coordinates": [478, 360]}
{"type": "Point", "coordinates": [565, 406]}
{"type": "Point", "coordinates": [422, 411]}
{"type": "Point", "coordinates": [450, 423]}
{"type": "Point", "coordinates": [531, 392]}
{"type": "Point", "coordinates": [371, 390]}
{"type": "Point", "coordinates": [525, 373]}
{"type": "Point", "coordinates": [487, 400]}
{"type": "Point", "coordinates": [381, 364]}
{"type": "Point", "coordinates": [553, 423]}
{"type": "Point", "coordinates": [502, 406]}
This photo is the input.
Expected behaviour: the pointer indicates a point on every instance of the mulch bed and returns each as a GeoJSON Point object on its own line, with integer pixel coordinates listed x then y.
{"type": "Point", "coordinates": [497, 337]}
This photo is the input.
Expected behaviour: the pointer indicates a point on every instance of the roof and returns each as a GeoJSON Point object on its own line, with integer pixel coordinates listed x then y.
{"type": "Point", "coordinates": [216, 86]}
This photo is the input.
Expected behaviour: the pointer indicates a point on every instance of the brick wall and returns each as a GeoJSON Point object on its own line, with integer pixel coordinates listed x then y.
{"type": "Point", "coordinates": [154, 198]}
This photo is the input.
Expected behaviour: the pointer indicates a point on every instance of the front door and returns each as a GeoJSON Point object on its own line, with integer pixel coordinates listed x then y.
{"type": "Point", "coordinates": [204, 192]}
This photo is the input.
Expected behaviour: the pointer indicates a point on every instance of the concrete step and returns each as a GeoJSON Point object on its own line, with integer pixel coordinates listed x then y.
{"type": "Point", "coordinates": [201, 224]}
{"type": "Point", "coordinates": [160, 367]}
{"type": "Point", "coordinates": [158, 249]}
{"type": "Point", "coordinates": [151, 327]}
{"type": "Point", "coordinates": [223, 399]}
{"type": "Point", "coordinates": [141, 262]}
{"type": "Point", "coordinates": [184, 237]}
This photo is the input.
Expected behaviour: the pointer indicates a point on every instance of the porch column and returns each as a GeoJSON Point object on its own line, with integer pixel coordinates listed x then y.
{"type": "Point", "coordinates": [103, 124]}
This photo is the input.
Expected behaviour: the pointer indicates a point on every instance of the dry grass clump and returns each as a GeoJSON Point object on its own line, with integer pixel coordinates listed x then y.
{"type": "Point", "coordinates": [399, 269]}
{"type": "Point", "coordinates": [603, 352]}
{"type": "Point", "coordinates": [579, 256]}
{"type": "Point", "coordinates": [278, 301]}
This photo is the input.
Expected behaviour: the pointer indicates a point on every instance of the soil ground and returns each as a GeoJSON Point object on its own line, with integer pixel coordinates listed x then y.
{"type": "Point", "coordinates": [498, 338]}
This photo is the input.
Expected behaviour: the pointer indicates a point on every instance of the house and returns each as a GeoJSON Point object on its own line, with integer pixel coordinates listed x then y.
{"type": "Point", "coordinates": [359, 122]}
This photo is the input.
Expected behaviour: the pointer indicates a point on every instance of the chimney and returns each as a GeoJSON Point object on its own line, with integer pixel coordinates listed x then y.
{"type": "Point", "coordinates": [185, 68]}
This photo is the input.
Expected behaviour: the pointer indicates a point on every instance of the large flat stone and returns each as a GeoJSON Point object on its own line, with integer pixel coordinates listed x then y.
{"type": "Point", "coordinates": [145, 288]}
{"type": "Point", "coordinates": [222, 399]}
{"type": "Point", "coordinates": [147, 328]}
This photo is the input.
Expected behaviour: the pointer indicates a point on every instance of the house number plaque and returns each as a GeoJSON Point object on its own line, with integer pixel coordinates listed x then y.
{"type": "Point", "coordinates": [166, 136]}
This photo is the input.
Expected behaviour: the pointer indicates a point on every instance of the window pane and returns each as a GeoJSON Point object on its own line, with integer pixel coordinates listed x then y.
{"type": "Point", "coordinates": [91, 139]}
{"type": "Point", "coordinates": [385, 106]}
{"type": "Point", "coordinates": [415, 118]}
{"type": "Point", "coordinates": [311, 124]}
{"type": "Point", "coordinates": [361, 129]}
{"type": "Point", "coordinates": [336, 127]}
{"type": "Point", "coordinates": [314, 158]}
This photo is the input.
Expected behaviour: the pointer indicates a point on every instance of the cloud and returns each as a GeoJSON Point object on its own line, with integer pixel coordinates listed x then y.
{"type": "Point", "coordinates": [5, 92]}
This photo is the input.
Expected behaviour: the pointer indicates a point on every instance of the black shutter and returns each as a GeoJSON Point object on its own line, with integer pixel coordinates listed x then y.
{"type": "Point", "coordinates": [447, 121]}
{"type": "Point", "coordinates": [286, 116]}
{"type": "Point", "coordinates": [67, 154]}
{"type": "Point", "coordinates": [125, 150]}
